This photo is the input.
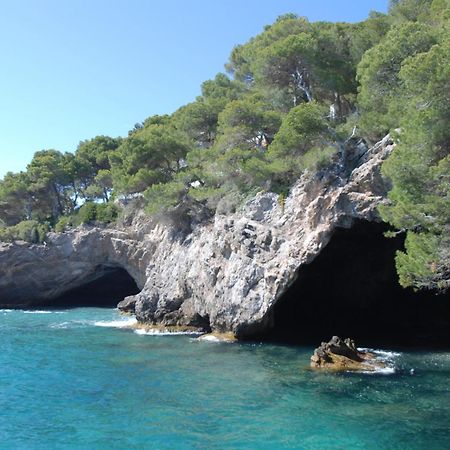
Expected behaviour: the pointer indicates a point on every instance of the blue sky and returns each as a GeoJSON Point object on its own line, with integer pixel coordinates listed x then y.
{"type": "Point", "coordinates": [74, 69]}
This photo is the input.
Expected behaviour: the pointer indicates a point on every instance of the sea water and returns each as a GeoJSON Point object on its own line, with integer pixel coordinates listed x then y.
{"type": "Point", "coordinates": [81, 379]}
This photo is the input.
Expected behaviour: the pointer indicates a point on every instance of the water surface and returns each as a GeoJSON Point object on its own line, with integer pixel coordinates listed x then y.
{"type": "Point", "coordinates": [68, 380]}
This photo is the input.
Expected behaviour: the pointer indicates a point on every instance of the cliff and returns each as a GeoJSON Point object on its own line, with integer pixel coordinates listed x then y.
{"type": "Point", "coordinates": [226, 274]}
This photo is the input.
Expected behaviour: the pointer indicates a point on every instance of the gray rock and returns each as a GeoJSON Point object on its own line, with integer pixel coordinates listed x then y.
{"type": "Point", "coordinates": [128, 304]}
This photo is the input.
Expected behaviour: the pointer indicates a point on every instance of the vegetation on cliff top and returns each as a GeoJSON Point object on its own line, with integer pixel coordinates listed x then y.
{"type": "Point", "coordinates": [292, 97]}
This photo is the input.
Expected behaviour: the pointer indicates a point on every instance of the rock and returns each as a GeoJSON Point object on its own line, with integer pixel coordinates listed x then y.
{"type": "Point", "coordinates": [225, 273]}
{"type": "Point", "coordinates": [342, 355]}
{"type": "Point", "coordinates": [127, 305]}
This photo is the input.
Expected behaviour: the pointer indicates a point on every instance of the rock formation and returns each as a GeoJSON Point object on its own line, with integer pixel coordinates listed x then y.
{"type": "Point", "coordinates": [226, 273]}
{"type": "Point", "coordinates": [342, 355]}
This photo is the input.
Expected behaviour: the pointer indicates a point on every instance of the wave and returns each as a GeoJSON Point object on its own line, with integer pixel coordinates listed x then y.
{"type": "Point", "coordinates": [156, 332]}
{"type": "Point", "coordinates": [116, 323]}
{"type": "Point", "coordinates": [37, 312]}
{"type": "Point", "coordinates": [385, 356]}
{"type": "Point", "coordinates": [72, 324]}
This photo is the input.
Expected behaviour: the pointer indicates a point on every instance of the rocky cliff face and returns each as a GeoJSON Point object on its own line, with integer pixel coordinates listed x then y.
{"type": "Point", "coordinates": [227, 274]}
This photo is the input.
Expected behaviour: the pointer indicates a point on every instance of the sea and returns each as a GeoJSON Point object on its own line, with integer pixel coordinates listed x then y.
{"type": "Point", "coordinates": [83, 378]}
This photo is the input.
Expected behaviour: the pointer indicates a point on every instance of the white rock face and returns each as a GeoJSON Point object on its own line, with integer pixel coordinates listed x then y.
{"type": "Point", "coordinates": [228, 273]}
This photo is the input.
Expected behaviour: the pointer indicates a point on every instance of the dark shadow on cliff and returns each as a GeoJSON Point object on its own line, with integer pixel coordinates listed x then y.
{"type": "Point", "coordinates": [351, 290]}
{"type": "Point", "coordinates": [105, 291]}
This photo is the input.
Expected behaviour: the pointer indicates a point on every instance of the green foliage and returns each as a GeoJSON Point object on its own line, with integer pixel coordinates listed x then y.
{"type": "Point", "coordinates": [378, 74]}
{"type": "Point", "coordinates": [199, 120]}
{"type": "Point", "coordinates": [94, 180]}
{"type": "Point", "coordinates": [419, 169]}
{"type": "Point", "coordinates": [295, 94]}
{"type": "Point", "coordinates": [304, 132]}
{"type": "Point", "coordinates": [163, 196]}
{"type": "Point", "coordinates": [29, 230]}
{"type": "Point", "coordinates": [409, 10]}
{"type": "Point", "coordinates": [150, 156]}
{"type": "Point", "coordinates": [92, 213]}
{"type": "Point", "coordinates": [15, 199]}
{"type": "Point", "coordinates": [64, 223]}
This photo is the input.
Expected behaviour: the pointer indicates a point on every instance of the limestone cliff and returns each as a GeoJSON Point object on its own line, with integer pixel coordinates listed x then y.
{"type": "Point", "coordinates": [227, 273]}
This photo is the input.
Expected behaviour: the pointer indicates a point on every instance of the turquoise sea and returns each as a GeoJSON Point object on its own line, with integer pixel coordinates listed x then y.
{"type": "Point", "coordinates": [77, 379]}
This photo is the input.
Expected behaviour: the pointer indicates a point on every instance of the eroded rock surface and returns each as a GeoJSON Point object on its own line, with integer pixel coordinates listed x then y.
{"type": "Point", "coordinates": [342, 355]}
{"type": "Point", "coordinates": [227, 273]}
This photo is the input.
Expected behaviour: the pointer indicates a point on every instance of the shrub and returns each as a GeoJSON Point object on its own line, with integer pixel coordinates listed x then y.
{"type": "Point", "coordinates": [29, 230]}
{"type": "Point", "coordinates": [97, 213]}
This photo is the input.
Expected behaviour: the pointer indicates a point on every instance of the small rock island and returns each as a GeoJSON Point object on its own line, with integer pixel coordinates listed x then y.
{"type": "Point", "coordinates": [342, 355]}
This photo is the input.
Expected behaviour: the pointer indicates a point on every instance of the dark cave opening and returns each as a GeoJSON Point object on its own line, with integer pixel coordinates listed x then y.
{"type": "Point", "coordinates": [351, 290]}
{"type": "Point", "coordinates": [112, 286]}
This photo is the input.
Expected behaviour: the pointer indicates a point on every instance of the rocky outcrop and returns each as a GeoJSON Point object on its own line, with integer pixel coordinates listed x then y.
{"type": "Point", "coordinates": [127, 305]}
{"type": "Point", "coordinates": [227, 273]}
{"type": "Point", "coordinates": [342, 355]}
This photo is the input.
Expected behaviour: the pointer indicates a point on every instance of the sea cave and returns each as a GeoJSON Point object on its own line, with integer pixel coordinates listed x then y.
{"type": "Point", "coordinates": [351, 289]}
{"type": "Point", "coordinates": [110, 286]}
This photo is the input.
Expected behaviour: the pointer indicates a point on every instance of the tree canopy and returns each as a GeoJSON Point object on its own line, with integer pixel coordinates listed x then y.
{"type": "Point", "coordinates": [291, 98]}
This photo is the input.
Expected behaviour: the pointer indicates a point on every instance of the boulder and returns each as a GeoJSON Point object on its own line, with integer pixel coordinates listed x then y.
{"type": "Point", "coordinates": [342, 355]}
{"type": "Point", "coordinates": [127, 305]}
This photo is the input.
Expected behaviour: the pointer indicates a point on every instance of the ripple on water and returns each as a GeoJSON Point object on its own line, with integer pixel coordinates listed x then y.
{"type": "Point", "coordinates": [78, 387]}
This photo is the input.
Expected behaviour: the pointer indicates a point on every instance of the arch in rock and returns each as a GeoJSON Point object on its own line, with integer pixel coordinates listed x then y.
{"type": "Point", "coordinates": [107, 287]}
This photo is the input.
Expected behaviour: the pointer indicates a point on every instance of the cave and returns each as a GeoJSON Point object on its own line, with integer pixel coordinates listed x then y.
{"type": "Point", "coordinates": [351, 289]}
{"type": "Point", "coordinates": [106, 290]}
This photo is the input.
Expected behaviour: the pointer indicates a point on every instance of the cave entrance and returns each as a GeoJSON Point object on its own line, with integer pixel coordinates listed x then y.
{"type": "Point", "coordinates": [351, 290]}
{"type": "Point", "coordinates": [109, 288]}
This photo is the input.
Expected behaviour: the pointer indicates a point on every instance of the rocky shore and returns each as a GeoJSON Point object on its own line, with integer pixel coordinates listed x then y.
{"type": "Point", "coordinates": [225, 274]}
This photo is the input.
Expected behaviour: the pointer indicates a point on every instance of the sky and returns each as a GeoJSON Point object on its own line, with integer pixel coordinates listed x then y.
{"type": "Point", "coordinates": [74, 69]}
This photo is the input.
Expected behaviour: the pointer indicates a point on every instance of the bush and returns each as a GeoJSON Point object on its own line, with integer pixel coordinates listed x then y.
{"type": "Point", "coordinates": [87, 213]}
{"type": "Point", "coordinates": [29, 230]}
{"type": "Point", "coordinates": [98, 213]}
{"type": "Point", "coordinates": [107, 212]}
{"type": "Point", "coordinates": [64, 223]}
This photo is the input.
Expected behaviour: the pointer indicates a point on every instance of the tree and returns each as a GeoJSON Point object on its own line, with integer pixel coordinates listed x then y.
{"type": "Point", "coordinates": [152, 155]}
{"type": "Point", "coordinates": [15, 198]}
{"type": "Point", "coordinates": [93, 177]}
{"type": "Point", "coordinates": [378, 75]}
{"type": "Point", "coordinates": [199, 119]}
{"type": "Point", "coordinates": [419, 169]}
{"type": "Point", "coordinates": [303, 141]}
{"type": "Point", "coordinates": [243, 57]}
{"type": "Point", "coordinates": [287, 66]}
{"type": "Point", "coordinates": [409, 10]}
{"type": "Point", "coordinates": [51, 177]}
{"type": "Point", "coordinates": [251, 120]}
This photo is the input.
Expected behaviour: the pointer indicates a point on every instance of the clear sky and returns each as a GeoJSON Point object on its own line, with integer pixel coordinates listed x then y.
{"type": "Point", "coordinates": [74, 69]}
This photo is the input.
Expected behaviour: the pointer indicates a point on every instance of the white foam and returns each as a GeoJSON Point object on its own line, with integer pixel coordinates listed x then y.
{"type": "Point", "coordinates": [216, 339]}
{"type": "Point", "coordinates": [385, 356]}
{"type": "Point", "coordinates": [156, 332]}
{"type": "Point", "coordinates": [210, 338]}
{"type": "Point", "coordinates": [62, 325]}
{"type": "Point", "coordinates": [6, 310]}
{"type": "Point", "coordinates": [382, 353]}
{"type": "Point", "coordinates": [116, 323]}
{"type": "Point", "coordinates": [37, 312]}
{"type": "Point", "coordinates": [380, 370]}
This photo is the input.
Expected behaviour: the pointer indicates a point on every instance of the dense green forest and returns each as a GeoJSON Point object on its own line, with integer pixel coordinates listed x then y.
{"type": "Point", "coordinates": [291, 98]}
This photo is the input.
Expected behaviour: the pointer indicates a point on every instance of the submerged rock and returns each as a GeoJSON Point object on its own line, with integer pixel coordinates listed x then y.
{"type": "Point", "coordinates": [342, 355]}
